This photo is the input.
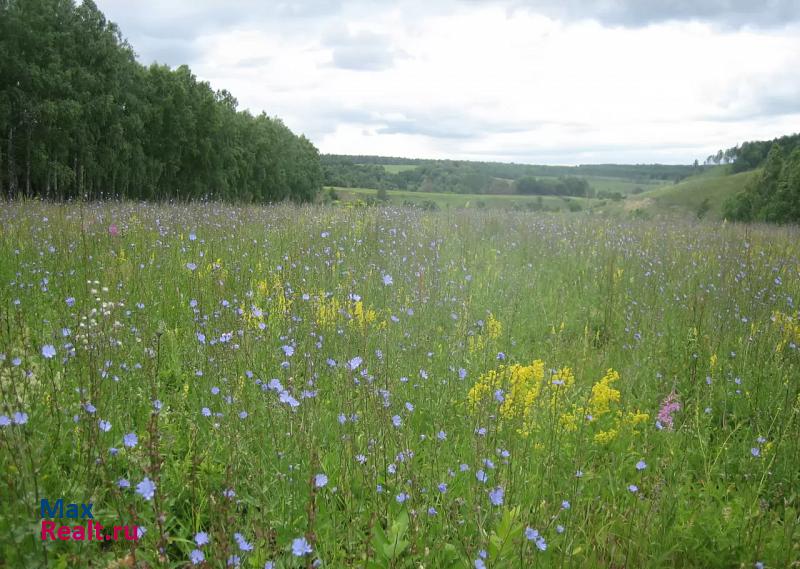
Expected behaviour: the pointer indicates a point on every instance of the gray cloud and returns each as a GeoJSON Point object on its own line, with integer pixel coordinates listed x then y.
{"type": "Point", "coordinates": [414, 127]}
{"type": "Point", "coordinates": [574, 154]}
{"type": "Point", "coordinates": [172, 52]}
{"type": "Point", "coordinates": [777, 94]}
{"type": "Point", "coordinates": [769, 96]}
{"type": "Point", "coordinates": [254, 61]}
{"type": "Point", "coordinates": [359, 60]}
{"type": "Point", "coordinates": [362, 51]}
{"type": "Point", "coordinates": [445, 125]}
{"type": "Point", "coordinates": [324, 117]}
{"type": "Point", "coordinates": [437, 124]}
{"type": "Point", "coordinates": [636, 13]}
{"type": "Point", "coordinates": [326, 80]}
{"type": "Point", "coordinates": [779, 104]}
{"type": "Point", "coordinates": [167, 32]}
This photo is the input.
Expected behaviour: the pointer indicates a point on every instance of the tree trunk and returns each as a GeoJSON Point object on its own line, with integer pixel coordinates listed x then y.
{"type": "Point", "coordinates": [2, 186]}
{"type": "Point", "coordinates": [12, 175]}
{"type": "Point", "coordinates": [75, 188]}
{"type": "Point", "coordinates": [28, 166]}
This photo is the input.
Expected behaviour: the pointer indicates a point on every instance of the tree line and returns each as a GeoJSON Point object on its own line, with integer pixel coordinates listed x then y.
{"type": "Point", "coordinates": [562, 186]}
{"type": "Point", "coordinates": [512, 170]}
{"type": "Point", "coordinates": [752, 153]}
{"type": "Point", "coordinates": [468, 177]}
{"type": "Point", "coordinates": [79, 116]}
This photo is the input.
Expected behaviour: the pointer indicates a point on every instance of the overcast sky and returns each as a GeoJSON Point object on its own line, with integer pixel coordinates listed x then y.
{"type": "Point", "coordinates": [546, 82]}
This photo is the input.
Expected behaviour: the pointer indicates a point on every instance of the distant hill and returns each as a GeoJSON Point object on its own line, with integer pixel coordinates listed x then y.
{"type": "Point", "coordinates": [703, 195]}
{"type": "Point", "coordinates": [713, 188]}
{"type": "Point", "coordinates": [468, 177]}
{"type": "Point", "coordinates": [772, 193]}
{"type": "Point", "coordinates": [654, 189]}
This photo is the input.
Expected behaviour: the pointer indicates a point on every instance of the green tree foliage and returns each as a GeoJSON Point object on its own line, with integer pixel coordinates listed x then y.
{"type": "Point", "coordinates": [563, 186]}
{"type": "Point", "coordinates": [775, 194]}
{"type": "Point", "coordinates": [466, 177]}
{"type": "Point", "coordinates": [79, 116]}
{"type": "Point", "coordinates": [514, 171]}
{"type": "Point", "coordinates": [752, 154]}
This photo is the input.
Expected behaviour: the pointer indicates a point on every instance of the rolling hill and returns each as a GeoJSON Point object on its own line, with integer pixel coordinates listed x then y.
{"type": "Point", "coordinates": [715, 185]}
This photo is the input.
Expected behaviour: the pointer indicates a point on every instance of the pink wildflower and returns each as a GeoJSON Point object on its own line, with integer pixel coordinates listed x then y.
{"type": "Point", "coordinates": [113, 230]}
{"type": "Point", "coordinates": [669, 406]}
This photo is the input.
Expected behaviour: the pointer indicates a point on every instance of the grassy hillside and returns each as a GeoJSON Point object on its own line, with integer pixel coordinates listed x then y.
{"type": "Point", "coordinates": [395, 168]}
{"type": "Point", "coordinates": [716, 185]}
{"type": "Point", "coordinates": [621, 185]}
{"type": "Point", "coordinates": [685, 198]}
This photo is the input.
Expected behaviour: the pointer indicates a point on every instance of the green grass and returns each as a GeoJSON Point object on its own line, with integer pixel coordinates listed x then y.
{"type": "Point", "coordinates": [599, 183]}
{"type": "Point", "coordinates": [447, 200]}
{"type": "Point", "coordinates": [556, 391]}
{"type": "Point", "coordinates": [396, 168]}
{"type": "Point", "coordinates": [620, 185]}
{"type": "Point", "coordinates": [716, 185]}
{"type": "Point", "coordinates": [682, 199]}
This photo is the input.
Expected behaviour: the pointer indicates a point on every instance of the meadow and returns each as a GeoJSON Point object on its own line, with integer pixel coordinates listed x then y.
{"type": "Point", "coordinates": [445, 200]}
{"type": "Point", "coordinates": [395, 168]}
{"type": "Point", "coordinates": [701, 194]}
{"type": "Point", "coordinates": [287, 386]}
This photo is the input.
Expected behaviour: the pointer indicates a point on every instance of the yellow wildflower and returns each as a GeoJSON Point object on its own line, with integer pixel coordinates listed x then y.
{"type": "Point", "coordinates": [603, 394]}
{"type": "Point", "coordinates": [636, 418]}
{"type": "Point", "coordinates": [605, 437]}
{"type": "Point", "coordinates": [362, 317]}
{"type": "Point", "coordinates": [327, 311]}
{"type": "Point", "coordinates": [493, 327]}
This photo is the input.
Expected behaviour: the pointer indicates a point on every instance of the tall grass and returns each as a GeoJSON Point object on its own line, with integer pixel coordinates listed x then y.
{"type": "Point", "coordinates": [398, 388]}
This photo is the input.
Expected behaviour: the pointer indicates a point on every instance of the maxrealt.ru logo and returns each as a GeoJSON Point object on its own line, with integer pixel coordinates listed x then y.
{"type": "Point", "coordinates": [89, 531]}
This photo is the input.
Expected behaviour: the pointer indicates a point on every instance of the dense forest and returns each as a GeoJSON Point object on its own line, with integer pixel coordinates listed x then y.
{"type": "Point", "coordinates": [753, 153]}
{"type": "Point", "coordinates": [466, 177]}
{"type": "Point", "coordinates": [79, 116]}
{"type": "Point", "coordinates": [774, 196]}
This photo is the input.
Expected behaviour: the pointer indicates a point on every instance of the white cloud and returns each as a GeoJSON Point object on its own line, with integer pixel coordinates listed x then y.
{"type": "Point", "coordinates": [490, 80]}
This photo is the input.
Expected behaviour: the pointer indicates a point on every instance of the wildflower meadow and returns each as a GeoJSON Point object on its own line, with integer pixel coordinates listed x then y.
{"type": "Point", "coordinates": [319, 386]}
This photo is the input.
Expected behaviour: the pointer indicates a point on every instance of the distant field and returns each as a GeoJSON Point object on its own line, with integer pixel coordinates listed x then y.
{"type": "Point", "coordinates": [656, 197]}
{"type": "Point", "coordinates": [598, 183]}
{"type": "Point", "coordinates": [621, 185]}
{"type": "Point", "coordinates": [443, 200]}
{"type": "Point", "coordinates": [395, 168]}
